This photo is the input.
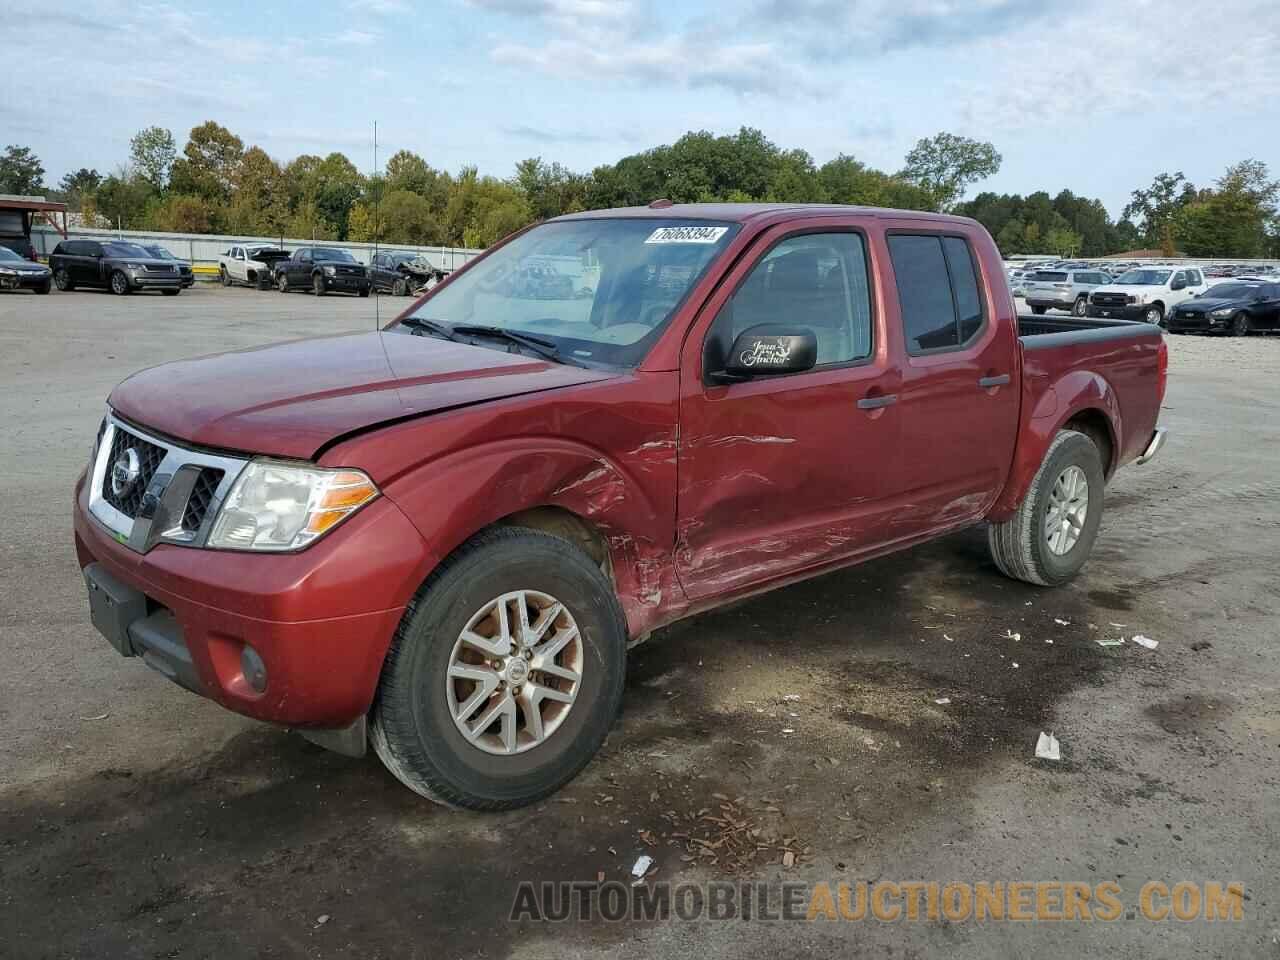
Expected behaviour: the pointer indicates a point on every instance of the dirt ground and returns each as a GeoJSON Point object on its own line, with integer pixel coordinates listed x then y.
{"type": "Point", "coordinates": [138, 821]}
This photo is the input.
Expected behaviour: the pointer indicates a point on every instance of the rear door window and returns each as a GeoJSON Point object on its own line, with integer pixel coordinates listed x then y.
{"type": "Point", "coordinates": [937, 290]}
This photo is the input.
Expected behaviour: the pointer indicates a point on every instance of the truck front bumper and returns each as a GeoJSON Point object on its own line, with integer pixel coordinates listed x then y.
{"type": "Point", "coordinates": [295, 639]}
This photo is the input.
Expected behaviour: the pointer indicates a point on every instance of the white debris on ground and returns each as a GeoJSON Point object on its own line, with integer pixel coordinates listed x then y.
{"type": "Point", "coordinates": [1047, 747]}
{"type": "Point", "coordinates": [1147, 642]}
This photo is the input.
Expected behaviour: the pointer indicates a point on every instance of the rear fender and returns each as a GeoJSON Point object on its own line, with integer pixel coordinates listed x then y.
{"type": "Point", "coordinates": [451, 499]}
{"type": "Point", "coordinates": [1076, 392]}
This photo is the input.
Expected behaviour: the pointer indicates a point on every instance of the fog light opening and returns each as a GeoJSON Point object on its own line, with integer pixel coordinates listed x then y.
{"type": "Point", "coordinates": [254, 670]}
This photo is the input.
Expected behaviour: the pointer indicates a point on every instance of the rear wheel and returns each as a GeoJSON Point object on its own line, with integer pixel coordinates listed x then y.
{"type": "Point", "coordinates": [317, 285]}
{"type": "Point", "coordinates": [63, 279]}
{"type": "Point", "coordinates": [1050, 537]}
{"type": "Point", "coordinates": [1079, 308]}
{"type": "Point", "coordinates": [119, 283]}
{"type": "Point", "coordinates": [505, 674]}
{"type": "Point", "coordinates": [1240, 325]}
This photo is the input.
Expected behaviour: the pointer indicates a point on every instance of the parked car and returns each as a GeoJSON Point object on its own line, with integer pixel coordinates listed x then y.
{"type": "Point", "coordinates": [252, 265]}
{"type": "Point", "coordinates": [1147, 293]}
{"type": "Point", "coordinates": [1235, 307]}
{"type": "Point", "coordinates": [116, 265]}
{"type": "Point", "coordinates": [18, 273]}
{"type": "Point", "coordinates": [401, 272]}
{"type": "Point", "coordinates": [1066, 289]}
{"type": "Point", "coordinates": [322, 270]}
{"type": "Point", "coordinates": [440, 538]}
{"type": "Point", "coordinates": [164, 253]}
{"type": "Point", "coordinates": [21, 245]}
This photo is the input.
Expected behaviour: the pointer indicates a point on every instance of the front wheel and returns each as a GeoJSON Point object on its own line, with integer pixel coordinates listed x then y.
{"type": "Point", "coordinates": [1079, 308]}
{"type": "Point", "coordinates": [1154, 315]}
{"type": "Point", "coordinates": [400, 288]}
{"type": "Point", "coordinates": [317, 285]}
{"type": "Point", "coordinates": [224, 277]}
{"type": "Point", "coordinates": [172, 293]}
{"type": "Point", "coordinates": [62, 279]}
{"type": "Point", "coordinates": [1240, 325]}
{"type": "Point", "coordinates": [505, 674]}
{"type": "Point", "coordinates": [45, 287]}
{"type": "Point", "coordinates": [364, 291]}
{"type": "Point", "coordinates": [119, 283]}
{"type": "Point", "coordinates": [282, 282]}
{"type": "Point", "coordinates": [1050, 537]}
{"type": "Point", "coordinates": [1039, 311]}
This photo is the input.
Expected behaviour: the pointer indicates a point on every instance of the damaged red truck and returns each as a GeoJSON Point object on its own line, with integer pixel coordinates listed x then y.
{"type": "Point", "coordinates": [440, 538]}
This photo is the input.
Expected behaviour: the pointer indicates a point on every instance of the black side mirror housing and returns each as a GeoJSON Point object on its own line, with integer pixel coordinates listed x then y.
{"type": "Point", "coordinates": [770, 350]}
{"type": "Point", "coordinates": [1178, 285]}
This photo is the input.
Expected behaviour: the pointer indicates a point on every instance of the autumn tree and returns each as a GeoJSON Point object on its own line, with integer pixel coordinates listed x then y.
{"type": "Point", "coordinates": [151, 154]}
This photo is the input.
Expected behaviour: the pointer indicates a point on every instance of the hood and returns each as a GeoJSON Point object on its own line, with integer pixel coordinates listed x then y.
{"type": "Point", "coordinates": [26, 266]}
{"type": "Point", "coordinates": [291, 399]}
{"type": "Point", "coordinates": [267, 256]}
{"type": "Point", "coordinates": [1207, 304]}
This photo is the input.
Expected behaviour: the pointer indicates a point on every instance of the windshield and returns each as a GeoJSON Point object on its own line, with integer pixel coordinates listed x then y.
{"type": "Point", "coordinates": [160, 252]}
{"type": "Point", "coordinates": [1048, 275]}
{"type": "Point", "coordinates": [118, 249]}
{"type": "Point", "coordinates": [7, 254]}
{"type": "Point", "coordinates": [323, 253]}
{"type": "Point", "coordinates": [600, 290]}
{"type": "Point", "coordinates": [1145, 277]}
{"type": "Point", "coordinates": [1232, 291]}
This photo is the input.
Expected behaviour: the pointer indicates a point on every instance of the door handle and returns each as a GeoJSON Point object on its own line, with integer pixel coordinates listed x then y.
{"type": "Point", "coordinates": [988, 382]}
{"type": "Point", "coordinates": [875, 403]}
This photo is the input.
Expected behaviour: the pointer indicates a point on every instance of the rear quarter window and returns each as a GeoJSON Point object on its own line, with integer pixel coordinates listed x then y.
{"type": "Point", "coordinates": [937, 290]}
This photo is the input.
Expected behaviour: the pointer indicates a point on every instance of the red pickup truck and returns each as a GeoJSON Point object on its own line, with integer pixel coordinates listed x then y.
{"type": "Point", "coordinates": [441, 538]}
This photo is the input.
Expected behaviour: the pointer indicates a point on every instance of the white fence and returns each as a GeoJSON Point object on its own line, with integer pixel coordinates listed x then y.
{"type": "Point", "coordinates": [202, 249]}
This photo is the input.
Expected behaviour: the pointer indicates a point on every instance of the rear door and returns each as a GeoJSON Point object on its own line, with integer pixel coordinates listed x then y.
{"type": "Point", "coordinates": [86, 265]}
{"type": "Point", "coordinates": [959, 392]}
{"type": "Point", "coordinates": [786, 473]}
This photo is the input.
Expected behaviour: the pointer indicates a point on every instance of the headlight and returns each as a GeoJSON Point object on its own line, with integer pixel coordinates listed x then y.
{"type": "Point", "coordinates": [285, 506]}
{"type": "Point", "coordinates": [330, 271]}
{"type": "Point", "coordinates": [133, 266]}
{"type": "Point", "coordinates": [7, 272]}
{"type": "Point", "coordinates": [1137, 298]}
{"type": "Point", "coordinates": [97, 442]}
{"type": "Point", "coordinates": [1221, 313]}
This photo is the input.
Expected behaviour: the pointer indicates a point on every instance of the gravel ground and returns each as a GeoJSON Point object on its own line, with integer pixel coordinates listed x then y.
{"type": "Point", "coordinates": [138, 821]}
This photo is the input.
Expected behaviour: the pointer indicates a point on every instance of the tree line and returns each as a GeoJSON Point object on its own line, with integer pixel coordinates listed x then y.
{"type": "Point", "coordinates": [218, 185]}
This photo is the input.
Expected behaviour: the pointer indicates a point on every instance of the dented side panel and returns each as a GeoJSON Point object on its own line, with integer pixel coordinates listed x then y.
{"type": "Point", "coordinates": [604, 452]}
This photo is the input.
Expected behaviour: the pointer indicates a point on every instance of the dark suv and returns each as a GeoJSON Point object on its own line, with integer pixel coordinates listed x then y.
{"type": "Point", "coordinates": [164, 253]}
{"type": "Point", "coordinates": [117, 265]}
{"type": "Point", "coordinates": [322, 270]}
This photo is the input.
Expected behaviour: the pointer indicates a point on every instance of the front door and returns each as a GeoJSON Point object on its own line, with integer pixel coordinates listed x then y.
{"type": "Point", "coordinates": [783, 474]}
{"type": "Point", "coordinates": [959, 392]}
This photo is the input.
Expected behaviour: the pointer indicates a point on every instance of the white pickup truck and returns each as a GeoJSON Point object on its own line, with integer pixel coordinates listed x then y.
{"type": "Point", "coordinates": [252, 265]}
{"type": "Point", "coordinates": [1147, 293]}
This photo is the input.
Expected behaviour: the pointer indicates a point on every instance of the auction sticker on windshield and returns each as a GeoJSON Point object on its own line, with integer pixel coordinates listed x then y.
{"type": "Point", "coordinates": [687, 234]}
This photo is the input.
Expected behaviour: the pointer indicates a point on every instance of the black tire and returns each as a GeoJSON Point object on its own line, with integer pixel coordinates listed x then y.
{"type": "Point", "coordinates": [119, 283]}
{"type": "Point", "coordinates": [412, 727]}
{"type": "Point", "coordinates": [45, 287]}
{"type": "Point", "coordinates": [317, 284]}
{"type": "Point", "coordinates": [1240, 325]}
{"type": "Point", "coordinates": [400, 288]}
{"type": "Point", "coordinates": [172, 293]}
{"type": "Point", "coordinates": [1154, 314]}
{"type": "Point", "coordinates": [63, 280]}
{"type": "Point", "coordinates": [282, 282]}
{"type": "Point", "coordinates": [224, 277]}
{"type": "Point", "coordinates": [364, 291]}
{"type": "Point", "coordinates": [1079, 308]}
{"type": "Point", "coordinates": [1019, 546]}
{"type": "Point", "coordinates": [1039, 311]}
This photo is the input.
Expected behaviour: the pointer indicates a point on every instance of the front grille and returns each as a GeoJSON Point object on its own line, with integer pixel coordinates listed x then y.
{"type": "Point", "coordinates": [159, 268]}
{"type": "Point", "coordinates": [1110, 299]}
{"type": "Point", "coordinates": [351, 271]}
{"type": "Point", "coordinates": [201, 497]}
{"type": "Point", "coordinates": [129, 500]}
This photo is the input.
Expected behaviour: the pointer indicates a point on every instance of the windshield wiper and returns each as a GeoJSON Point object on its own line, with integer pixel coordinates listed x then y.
{"type": "Point", "coordinates": [543, 347]}
{"type": "Point", "coordinates": [433, 327]}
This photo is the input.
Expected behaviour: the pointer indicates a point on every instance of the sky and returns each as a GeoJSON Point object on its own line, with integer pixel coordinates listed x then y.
{"type": "Point", "coordinates": [1090, 95]}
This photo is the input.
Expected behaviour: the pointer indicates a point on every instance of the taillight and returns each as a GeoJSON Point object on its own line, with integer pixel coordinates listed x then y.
{"type": "Point", "coordinates": [1162, 372]}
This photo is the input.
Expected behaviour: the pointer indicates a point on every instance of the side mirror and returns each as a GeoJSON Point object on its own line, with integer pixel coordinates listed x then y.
{"type": "Point", "coordinates": [1178, 285]}
{"type": "Point", "coordinates": [757, 353]}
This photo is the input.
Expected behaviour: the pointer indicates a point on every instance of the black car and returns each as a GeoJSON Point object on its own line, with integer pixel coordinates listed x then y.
{"type": "Point", "coordinates": [116, 265]}
{"type": "Point", "coordinates": [1236, 307]}
{"type": "Point", "coordinates": [322, 270]}
{"type": "Point", "coordinates": [400, 272]}
{"type": "Point", "coordinates": [17, 273]}
{"type": "Point", "coordinates": [163, 253]}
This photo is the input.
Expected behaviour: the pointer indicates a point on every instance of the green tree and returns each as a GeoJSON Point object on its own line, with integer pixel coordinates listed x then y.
{"type": "Point", "coordinates": [406, 217]}
{"type": "Point", "coordinates": [208, 165]}
{"type": "Point", "coordinates": [260, 198]}
{"type": "Point", "coordinates": [1156, 206]}
{"type": "Point", "coordinates": [152, 153]}
{"type": "Point", "coordinates": [20, 171]}
{"type": "Point", "coordinates": [122, 199]}
{"type": "Point", "coordinates": [945, 165]}
{"type": "Point", "coordinates": [551, 189]}
{"type": "Point", "coordinates": [78, 186]}
{"type": "Point", "coordinates": [182, 214]}
{"type": "Point", "coordinates": [1231, 220]}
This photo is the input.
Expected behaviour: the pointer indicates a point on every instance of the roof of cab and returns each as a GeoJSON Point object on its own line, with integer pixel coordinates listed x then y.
{"type": "Point", "coordinates": [746, 212]}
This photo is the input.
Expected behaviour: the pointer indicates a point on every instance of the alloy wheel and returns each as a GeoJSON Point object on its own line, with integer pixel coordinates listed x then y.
{"type": "Point", "coordinates": [1068, 508]}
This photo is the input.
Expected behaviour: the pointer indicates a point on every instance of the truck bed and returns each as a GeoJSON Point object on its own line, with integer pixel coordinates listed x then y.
{"type": "Point", "coordinates": [1040, 331]}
